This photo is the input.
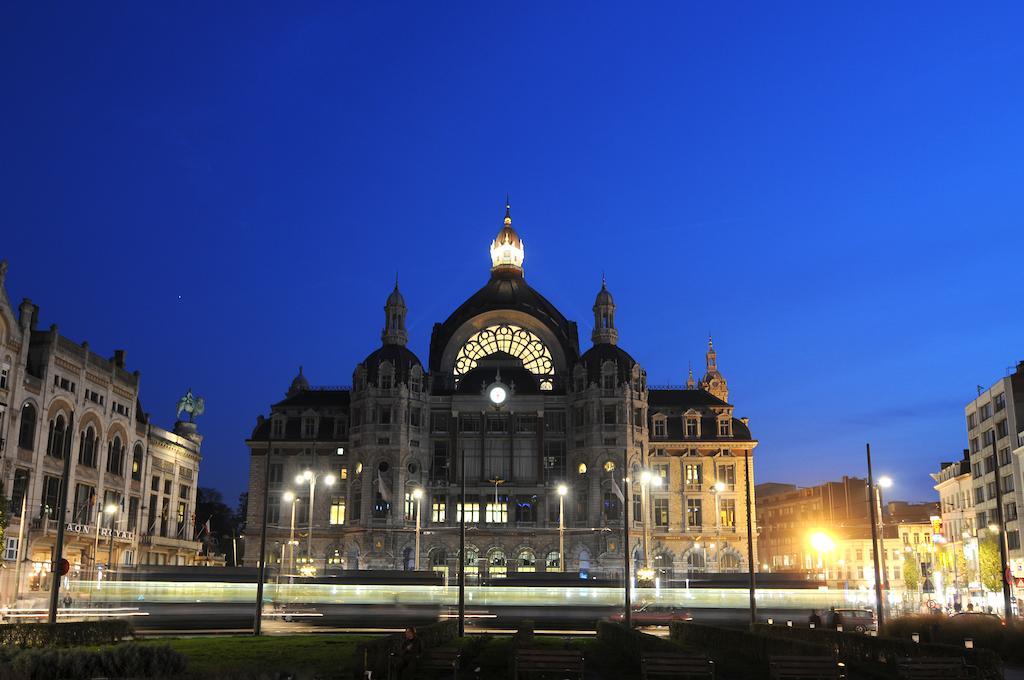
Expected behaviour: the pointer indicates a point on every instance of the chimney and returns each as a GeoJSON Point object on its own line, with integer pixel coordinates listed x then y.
{"type": "Point", "coordinates": [119, 358]}
{"type": "Point", "coordinates": [27, 315]}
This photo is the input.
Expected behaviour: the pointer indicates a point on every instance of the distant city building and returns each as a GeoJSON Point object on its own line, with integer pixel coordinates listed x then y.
{"type": "Point", "coordinates": [789, 515]}
{"type": "Point", "coordinates": [956, 499]}
{"type": "Point", "coordinates": [993, 420]}
{"type": "Point", "coordinates": [506, 390]}
{"type": "Point", "coordinates": [59, 398]}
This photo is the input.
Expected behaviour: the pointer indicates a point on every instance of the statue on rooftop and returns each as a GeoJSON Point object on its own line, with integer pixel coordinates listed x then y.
{"type": "Point", "coordinates": [193, 406]}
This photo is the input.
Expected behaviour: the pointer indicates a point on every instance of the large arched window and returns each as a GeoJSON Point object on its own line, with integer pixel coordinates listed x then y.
{"type": "Point", "coordinates": [115, 456]}
{"type": "Point", "coordinates": [87, 447]}
{"type": "Point", "coordinates": [513, 340]}
{"type": "Point", "coordinates": [137, 462]}
{"type": "Point", "coordinates": [55, 443]}
{"type": "Point", "coordinates": [27, 434]}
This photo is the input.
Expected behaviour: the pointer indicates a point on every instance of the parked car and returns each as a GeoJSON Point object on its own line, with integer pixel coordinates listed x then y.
{"type": "Point", "coordinates": [655, 615]}
{"type": "Point", "coordinates": [980, 617]}
{"type": "Point", "coordinates": [859, 620]}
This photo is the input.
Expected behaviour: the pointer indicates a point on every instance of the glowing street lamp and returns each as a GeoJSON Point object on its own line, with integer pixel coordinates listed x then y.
{"type": "Point", "coordinates": [562, 490]}
{"type": "Point", "coordinates": [417, 495]}
{"type": "Point", "coordinates": [311, 477]}
{"type": "Point", "coordinates": [290, 497]}
{"type": "Point", "coordinates": [822, 543]}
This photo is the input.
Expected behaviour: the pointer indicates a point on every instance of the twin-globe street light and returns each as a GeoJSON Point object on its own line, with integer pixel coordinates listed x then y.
{"type": "Point", "coordinates": [312, 477]}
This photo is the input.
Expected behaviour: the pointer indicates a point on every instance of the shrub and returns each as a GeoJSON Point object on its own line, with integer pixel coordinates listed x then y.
{"type": "Point", "coordinates": [632, 643]}
{"type": "Point", "coordinates": [986, 633]}
{"type": "Point", "coordinates": [755, 647]}
{"type": "Point", "coordinates": [857, 648]}
{"type": "Point", "coordinates": [26, 635]}
{"type": "Point", "coordinates": [126, 660]}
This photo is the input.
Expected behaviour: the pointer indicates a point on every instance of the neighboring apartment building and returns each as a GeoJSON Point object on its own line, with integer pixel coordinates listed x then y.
{"type": "Point", "coordinates": [851, 564]}
{"type": "Point", "coordinates": [788, 516]}
{"type": "Point", "coordinates": [60, 399]}
{"type": "Point", "coordinates": [993, 420]}
{"type": "Point", "coordinates": [509, 402]}
{"type": "Point", "coordinates": [956, 500]}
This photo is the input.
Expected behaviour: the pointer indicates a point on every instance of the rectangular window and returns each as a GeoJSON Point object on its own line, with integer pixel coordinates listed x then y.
{"type": "Point", "coordinates": [610, 414]}
{"type": "Point", "coordinates": [611, 507]}
{"type": "Point", "coordinates": [439, 467]}
{"type": "Point", "coordinates": [727, 511]}
{"type": "Point", "coordinates": [1000, 401]}
{"type": "Point", "coordinates": [579, 416]}
{"type": "Point", "coordinates": [661, 512]}
{"type": "Point", "coordinates": [438, 421]}
{"type": "Point", "coordinates": [410, 507]}
{"type": "Point", "coordinates": [554, 460]}
{"type": "Point", "coordinates": [526, 423]}
{"type": "Point", "coordinates": [987, 437]}
{"type": "Point", "coordinates": [691, 427]}
{"type": "Point", "coordinates": [991, 488]}
{"type": "Point", "coordinates": [384, 415]}
{"type": "Point", "coordinates": [661, 470]}
{"type": "Point", "coordinates": [183, 491]}
{"type": "Point", "coordinates": [694, 514]}
{"type": "Point", "coordinates": [470, 423]}
{"type": "Point", "coordinates": [1010, 512]}
{"type": "Point", "coordinates": [976, 470]}
{"type": "Point", "coordinates": [724, 427]}
{"type": "Point", "coordinates": [133, 513]}
{"type": "Point", "coordinates": [860, 552]}
{"type": "Point", "coordinates": [1007, 483]}
{"type": "Point", "coordinates": [4, 371]}
{"type": "Point", "coordinates": [525, 509]}
{"type": "Point", "coordinates": [472, 510]}
{"type": "Point", "coordinates": [51, 495]}
{"type": "Point", "coordinates": [660, 427]}
{"type": "Point", "coordinates": [273, 510]}
{"type": "Point", "coordinates": [1001, 429]}
{"type": "Point", "coordinates": [438, 509]}
{"type": "Point", "coordinates": [981, 520]}
{"type": "Point", "coordinates": [727, 475]}
{"type": "Point", "coordinates": [554, 421]}
{"type": "Point", "coordinates": [975, 446]}
{"type": "Point", "coordinates": [638, 417]}
{"type": "Point", "coordinates": [414, 417]}
{"type": "Point", "coordinates": [497, 513]}
{"type": "Point", "coordinates": [337, 510]}
{"type": "Point", "coordinates": [638, 508]}
{"type": "Point", "coordinates": [693, 473]}
{"type": "Point", "coordinates": [385, 381]}
{"type": "Point", "coordinates": [496, 424]}
{"type": "Point", "coordinates": [1004, 457]}
{"type": "Point", "coordinates": [986, 412]}
{"type": "Point", "coordinates": [1013, 540]}
{"type": "Point", "coordinates": [972, 421]}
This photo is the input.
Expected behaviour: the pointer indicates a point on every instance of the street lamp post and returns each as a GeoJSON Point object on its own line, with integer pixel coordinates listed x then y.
{"type": "Point", "coordinates": [874, 543]}
{"type": "Point", "coordinates": [417, 495]}
{"type": "Point", "coordinates": [562, 490]}
{"type": "Point", "coordinates": [311, 477]}
{"type": "Point", "coordinates": [290, 497]}
{"type": "Point", "coordinates": [110, 511]}
{"type": "Point", "coordinates": [884, 482]}
{"type": "Point", "coordinates": [1004, 568]}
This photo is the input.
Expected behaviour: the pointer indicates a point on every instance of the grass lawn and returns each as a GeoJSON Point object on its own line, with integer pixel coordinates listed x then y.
{"type": "Point", "coordinates": [306, 656]}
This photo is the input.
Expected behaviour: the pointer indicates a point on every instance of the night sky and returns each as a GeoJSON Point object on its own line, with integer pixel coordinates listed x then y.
{"type": "Point", "coordinates": [833, 190]}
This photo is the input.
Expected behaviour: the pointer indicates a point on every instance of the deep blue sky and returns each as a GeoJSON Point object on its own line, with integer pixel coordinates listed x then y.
{"type": "Point", "coordinates": [834, 190]}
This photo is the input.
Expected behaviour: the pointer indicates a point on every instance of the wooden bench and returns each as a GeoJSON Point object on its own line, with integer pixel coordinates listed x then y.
{"type": "Point", "coordinates": [935, 668]}
{"type": "Point", "coordinates": [436, 660]}
{"type": "Point", "coordinates": [540, 661]}
{"type": "Point", "coordinates": [670, 665]}
{"type": "Point", "coordinates": [805, 668]}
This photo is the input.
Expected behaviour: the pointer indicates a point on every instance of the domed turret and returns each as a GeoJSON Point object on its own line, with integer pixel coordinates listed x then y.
{"type": "Point", "coordinates": [394, 332]}
{"type": "Point", "coordinates": [507, 250]}
{"type": "Point", "coordinates": [604, 317]}
{"type": "Point", "coordinates": [299, 384]}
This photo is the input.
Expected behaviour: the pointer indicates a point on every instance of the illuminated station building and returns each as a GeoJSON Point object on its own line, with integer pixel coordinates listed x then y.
{"type": "Point", "coordinates": [541, 431]}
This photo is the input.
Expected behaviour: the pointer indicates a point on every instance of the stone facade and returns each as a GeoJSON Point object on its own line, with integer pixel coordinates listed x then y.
{"type": "Point", "coordinates": [59, 398]}
{"type": "Point", "coordinates": [404, 436]}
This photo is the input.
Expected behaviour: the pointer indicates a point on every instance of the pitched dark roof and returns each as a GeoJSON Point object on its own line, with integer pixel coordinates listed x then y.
{"type": "Point", "coordinates": [506, 291]}
{"type": "Point", "coordinates": [683, 399]}
{"type": "Point", "coordinates": [673, 403]}
{"type": "Point", "coordinates": [316, 398]}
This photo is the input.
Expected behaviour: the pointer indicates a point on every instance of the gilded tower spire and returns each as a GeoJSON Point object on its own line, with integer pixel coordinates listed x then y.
{"type": "Point", "coordinates": [507, 251]}
{"type": "Point", "coordinates": [713, 381]}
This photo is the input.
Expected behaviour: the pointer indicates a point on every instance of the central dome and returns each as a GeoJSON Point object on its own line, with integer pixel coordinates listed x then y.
{"type": "Point", "coordinates": [507, 250]}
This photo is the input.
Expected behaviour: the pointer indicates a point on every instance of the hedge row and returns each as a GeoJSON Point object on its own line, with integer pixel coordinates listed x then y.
{"type": "Point", "coordinates": [122, 661]}
{"type": "Point", "coordinates": [27, 635]}
{"type": "Point", "coordinates": [859, 649]}
{"type": "Point", "coordinates": [1007, 641]}
{"type": "Point", "coordinates": [632, 643]}
{"type": "Point", "coordinates": [754, 646]}
{"type": "Point", "coordinates": [376, 654]}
